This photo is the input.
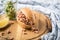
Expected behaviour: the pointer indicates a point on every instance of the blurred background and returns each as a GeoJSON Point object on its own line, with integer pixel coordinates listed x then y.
{"type": "Point", "coordinates": [48, 7]}
{"type": "Point", "coordinates": [34, 4]}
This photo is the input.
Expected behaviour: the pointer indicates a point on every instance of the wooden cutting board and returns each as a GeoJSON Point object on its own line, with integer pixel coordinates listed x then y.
{"type": "Point", "coordinates": [29, 35]}
{"type": "Point", "coordinates": [15, 32]}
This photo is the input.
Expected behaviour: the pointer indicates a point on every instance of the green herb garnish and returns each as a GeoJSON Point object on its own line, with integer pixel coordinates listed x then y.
{"type": "Point", "coordinates": [10, 10]}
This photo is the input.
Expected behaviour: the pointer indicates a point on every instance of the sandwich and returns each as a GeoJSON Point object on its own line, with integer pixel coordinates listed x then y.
{"type": "Point", "coordinates": [30, 19]}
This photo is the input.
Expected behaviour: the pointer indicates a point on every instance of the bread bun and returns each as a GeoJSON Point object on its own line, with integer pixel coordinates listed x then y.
{"type": "Point", "coordinates": [28, 17]}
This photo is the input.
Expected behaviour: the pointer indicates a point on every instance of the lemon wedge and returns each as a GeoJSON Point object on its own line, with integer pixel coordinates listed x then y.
{"type": "Point", "coordinates": [4, 21]}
